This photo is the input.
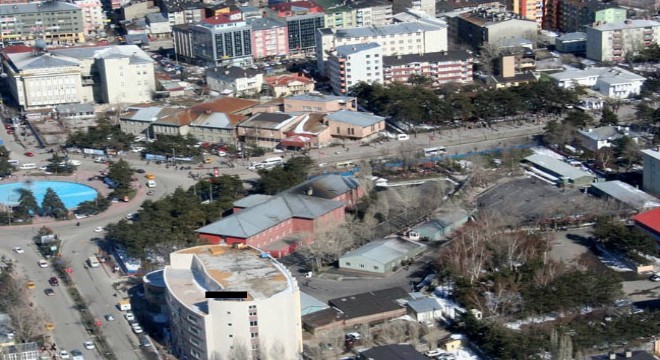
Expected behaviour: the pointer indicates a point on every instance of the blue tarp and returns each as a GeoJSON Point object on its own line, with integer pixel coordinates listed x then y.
{"type": "Point", "coordinates": [155, 157]}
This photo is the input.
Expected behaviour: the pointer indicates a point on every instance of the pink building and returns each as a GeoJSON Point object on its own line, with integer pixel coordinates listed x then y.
{"type": "Point", "coordinates": [93, 16]}
{"type": "Point", "coordinates": [269, 38]}
{"type": "Point", "coordinates": [317, 102]}
{"type": "Point", "coordinates": [442, 67]}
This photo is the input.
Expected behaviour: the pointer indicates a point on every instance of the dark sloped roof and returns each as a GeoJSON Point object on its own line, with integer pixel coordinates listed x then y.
{"type": "Point", "coordinates": [442, 56]}
{"type": "Point", "coordinates": [326, 186]}
{"type": "Point", "coordinates": [393, 352]}
{"type": "Point", "coordinates": [369, 303]}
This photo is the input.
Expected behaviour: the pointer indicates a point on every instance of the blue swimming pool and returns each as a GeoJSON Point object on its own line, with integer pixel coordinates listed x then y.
{"type": "Point", "coordinates": [71, 194]}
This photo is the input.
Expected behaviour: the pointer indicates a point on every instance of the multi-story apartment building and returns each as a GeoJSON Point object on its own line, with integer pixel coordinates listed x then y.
{"type": "Point", "coordinates": [182, 40]}
{"type": "Point", "coordinates": [574, 15]}
{"type": "Point", "coordinates": [254, 311]}
{"type": "Point", "coordinates": [222, 39]}
{"type": "Point", "coordinates": [442, 67]}
{"type": "Point", "coordinates": [102, 74]}
{"type": "Point", "coordinates": [613, 42]}
{"type": "Point", "coordinates": [425, 35]}
{"type": "Point", "coordinates": [491, 26]}
{"type": "Point", "coordinates": [53, 21]}
{"type": "Point", "coordinates": [340, 17]}
{"type": "Point", "coordinates": [651, 177]}
{"type": "Point", "coordinates": [529, 9]}
{"type": "Point", "coordinates": [182, 11]}
{"type": "Point", "coordinates": [269, 37]}
{"type": "Point", "coordinates": [372, 13]}
{"type": "Point", "coordinates": [302, 19]}
{"type": "Point", "coordinates": [426, 6]}
{"type": "Point", "coordinates": [92, 13]}
{"type": "Point", "coordinates": [303, 7]}
{"type": "Point", "coordinates": [351, 64]}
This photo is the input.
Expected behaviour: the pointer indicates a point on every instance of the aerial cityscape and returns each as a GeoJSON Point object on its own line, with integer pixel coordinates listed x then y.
{"type": "Point", "coordinates": [330, 179]}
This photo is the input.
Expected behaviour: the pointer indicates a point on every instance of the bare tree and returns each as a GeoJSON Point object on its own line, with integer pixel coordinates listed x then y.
{"type": "Point", "coordinates": [327, 246]}
{"type": "Point", "coordinates": [239, 351]}
{"type": "Point", "coordinates": [27, 322]}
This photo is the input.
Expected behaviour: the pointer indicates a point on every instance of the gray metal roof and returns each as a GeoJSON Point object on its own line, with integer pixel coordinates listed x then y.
{"type": "Point", "coordinates": [37, 7]}
{"type": "Point", "coordinates": [557, 166]}
{"type": "Point", "coordinates": [155, 18]}
{"type": "Point", "coordinates": [269, 120]}
{"type": "Point", "coordinates": [26, 61]}
{"type": "Point", "coordinates": [424, 304]}
{"type": "Point", "coordinates": [384, 30]}
{"type": "Point", "coordinates": [443, 219]}
{"type": "Point", "coordinates": [652, 153]}
{"type": "Point", "coordinates": [385, 251]}
{"type": "Point", "coordinates": [327, 186]}
{"type": "Point", "coordinates": [574, 36]}
{"type": "Point", "coordinates": [627, 194]}
{"type": "Point", "coordinates": [320, 97]}
{"type": "Point", "coordinates": [74, 108]}
{"type": "Point", "coordinates": [309, 304]}
{"type": "Point", "coordinates": [216, 120]}
{"type": "Point", "coordinates": [100, 52]}
{"type": "Point", "coordinates": [147, 114]}
{"type": "Point", "coordinates": [607, 133]}
{"type": "Point", "coordinates": [345, 50]}
{"type": "Point", "coordinates": [355, 118]}
{"type": "Point", "coordinates": [435, 57]}
{"type": "Point", "coordinates": [251, 200]}
{"type": "Point", "coordinates": [265, 23]}
{"type": "Point", "coordinates": [276, 210]}
{"type": "Point", "coordinates": [393, 352]}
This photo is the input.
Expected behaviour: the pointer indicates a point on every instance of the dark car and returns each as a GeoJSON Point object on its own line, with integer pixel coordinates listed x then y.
{"type": "Point", "coordinates": [49, 292]}
{"type": "Point", "coordinates": [140, 171]}
{"type": "Point", "coordinates": [53, 281]}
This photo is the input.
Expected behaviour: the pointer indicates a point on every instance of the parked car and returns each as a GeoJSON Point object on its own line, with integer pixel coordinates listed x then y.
{"type": "Point", "coordinates": [89, 345]}
{"type": "Point", "coordinates": [49, 292]}
{"type": "Point", "coordinates": [19, 250]}
{"type": "Point", "coordinates": [138, 330]}
{"type": "Point", "coordinates": [655, 277]}
{"type": "Point", "coordinates": [29, 154]}
{"type": "Point", "coordinates": [129, 316]}
{"type": "Point", "coordinates": [53, 281]}
{"type": "Point", "coordinates": [109, 317]}
{"type": "Point", "coordinates": [43, 263]}
{"type": "Point", "coordinates": [64, 354]}
{"type": "Point", "coordinates": [99, 229]}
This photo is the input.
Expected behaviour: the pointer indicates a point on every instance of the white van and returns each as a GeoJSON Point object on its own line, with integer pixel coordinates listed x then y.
{"type": "Point", "coordinates": [28, 166]}
{"type": "Point", "coordinates": [151, 184]}
{"type": "Point", "coordinates": [93, 262]}
{"type": "Point", "coordinates": [272, 162]}
{"type": "Point", "coordinates": [13, 162]}
{"type": "Point", "coordinates": [402, 137]}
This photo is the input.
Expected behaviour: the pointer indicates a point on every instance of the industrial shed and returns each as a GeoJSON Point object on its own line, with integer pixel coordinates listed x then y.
{"type": "Point", "coordinates": [381, 256]}
{"type": "Point", "coordinates": [441, 223]}
{"type": "Point", "coordinates": [558, 171]}
{"type": "Point", "coordinates": [625, 194]}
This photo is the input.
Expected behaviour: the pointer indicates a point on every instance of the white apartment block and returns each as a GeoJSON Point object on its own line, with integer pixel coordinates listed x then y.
{"type": "Point", "coordinates": [373, 13]}
{"type": "Point", "coordinates": [426, 6]}
{"type": "Point", "coordinates": [351, 64]}
{"type": "Point", "coordinates": [92, 15]}
{"type": "Point", "coordinates": [613, 82]}
{"type": "Point", "coordinates": [611, 42]}
{"type": "Point", "coordinates": [267, 321]}
{"type": "Point", "coordinates": [66, 76]}
{"type": "Point", "coordinates": [423, 36]}
{"type": "Point", "coordinates": [651, 177]}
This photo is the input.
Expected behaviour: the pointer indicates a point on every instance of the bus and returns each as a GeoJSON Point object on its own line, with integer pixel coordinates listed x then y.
{"type": "Point", "coordinates": [435, 151]}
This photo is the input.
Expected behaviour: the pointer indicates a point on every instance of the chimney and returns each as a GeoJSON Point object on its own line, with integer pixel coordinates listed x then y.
{"type": "Point", "coordinates": [628, 354]}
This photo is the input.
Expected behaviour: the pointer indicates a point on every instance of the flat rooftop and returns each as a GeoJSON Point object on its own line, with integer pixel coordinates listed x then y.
{"type": "Point", "coordinates": [194, 271]}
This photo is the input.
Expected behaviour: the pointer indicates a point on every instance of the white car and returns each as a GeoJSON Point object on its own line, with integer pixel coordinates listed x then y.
{"type": "Point", "coordinates": [129, 316]}
{"type": "Point", "coordinates": [43, 263]}
{"type": "Point", "coordinates": [222, 153]}
{"type": "Point", "coordinates": [138, 330]}
{"type": "Point", "coordinates": [75, 162]}
{"type": "Point", "coordinates": [137, 149]}
{"type": "Point", "coordinates": [130, 216]}
{"type": "Point", "coordinates": [433, 353]}
{"type": "Point", "coordinates": [43, 167]}
{"type": "Point", "coordinates": [89, 345]}
{"type": "Point", "coordinates": [19, 250]}
{"type": "Point", "coordinates": [64, 354]}
{"type": "Point", "coordinates": [99, 229]}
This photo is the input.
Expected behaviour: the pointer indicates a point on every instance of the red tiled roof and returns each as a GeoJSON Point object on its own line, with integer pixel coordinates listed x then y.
{"type": "Point", "coordinates": [286, 79]}
{"type": "Point", "coordinates": [287, 6]}
{"type": "Point", "coordinates": [222, 19]}
{"type": "Point", "coordinates": [649, 219]}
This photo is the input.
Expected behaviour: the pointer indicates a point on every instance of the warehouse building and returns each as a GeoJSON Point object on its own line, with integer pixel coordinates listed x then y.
{"type": "Point", "coordinates": [381, 256]}
{"type": "Point", "coordinates": [557, 171]}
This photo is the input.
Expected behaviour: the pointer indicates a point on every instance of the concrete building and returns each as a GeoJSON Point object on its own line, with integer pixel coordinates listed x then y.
{"type": "Point", "coordinates": [381, 256]}
{"type": "Point", "coordinates": [301, 30]}
{"type": "Point", "coordinates": [612, 82]}
{"type": "Point", "coordinates": [573, 43]}
{"type": "Point", "coordinates": [309, 304]}
{"type": "Point", "coordinates": [613, 41]}
{"type": "Point", "coordinates": [558, 171]}
{"type": "Point", "coordinates": [102, 74]}
{"type": "Point", "coordinates": [349, 65]}
{"type": "Point", "coordinates": [287, 85]}
{"type": "Point", "coordinates": [348, 124]}
{"type": "Point", "coordinates": [255, 307]}
{"type": "Point", "coordinates": [651, 177]}
{"type": "Point", "coordinates": [55, 22]}
{"type": "Point", "coordinates": [235, 81]}
{"type": "Point", "coordinates": [425, 6]}
{"type": "Point", "coordinates": [277, 224]}
{"type": "Point", "coordinates": [182, 40]}
{"type": "Point", "coordinates": [491, 26]}
{"type": "Point", "coordinates": [92, 15]}
{"type": "Point", "coordinates": [137, 120]}
{"type": "Point", "coordinates": [222, 39]}
{"type": "Point", "coordinates": [424, 36]}
{"type": "Point", "coordinates": [24, 351]}
{"type": "Point", "coordinates": [598, 138]}
{"type": "Point", "coordinates": [574, 15]}
{"type": "Point", "coordinates": [317, 102]}
{"type": "Point", "coordinates": [649, 222]}
{"type": "Point", "coordinates": [269, 37]}
{"type": "Point", "coordinates": [159, 25]}
{"type": "Point", "coordinates": [426, 310]}
{"type": "Point", "coordinates": [267, 130]}
{"type": "Point", "coordinates": [371, 13]}
{"type": "Point", "coordinates": [136, 9]}
{"type": "Point", "coordinates": [455, 66]}
{"type": "Point", "coordinates": [441, 223]}
{"type": "Point", "coordinates": [625, 194]}
{"type": "Point", "coordinates": [181, 12]}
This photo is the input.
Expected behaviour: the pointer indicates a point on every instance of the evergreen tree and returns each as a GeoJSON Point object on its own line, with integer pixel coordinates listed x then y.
{"type": "Point", "coordinates": [53, 206]}
{"type": "Point", "coordinates": [5, 168]}
{"type": "Point", "coordinates": [27, 203]}
{"type": "Point", "coordinates": [121, 173]}
{"type": "Point", "coordinates": [609, 117]}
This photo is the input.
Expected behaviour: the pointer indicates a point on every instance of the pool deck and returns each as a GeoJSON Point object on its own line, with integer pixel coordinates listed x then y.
{"type": "Point", "coordinates": [81, 178]}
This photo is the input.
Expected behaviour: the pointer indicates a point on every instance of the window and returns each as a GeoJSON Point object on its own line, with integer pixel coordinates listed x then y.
{"type": "Point", "coordinates": [375, 267]}
{"type": "Point", "coordinates": [254, 335]}
{"type": "Point", "coordinates": [362, 265]}
{"type": "Point", "coordinates": [348, 264]}
{"type": "Point", "coordinates": [229, 324]}
{"type": "Point", "coordinates": [193, 330]}
{"type": "Point", "coordinates": [338, 130]}
{"type": "Point", "coordinates": [253, 323]}
{"type": "Point", "coordinates": [194, 353]}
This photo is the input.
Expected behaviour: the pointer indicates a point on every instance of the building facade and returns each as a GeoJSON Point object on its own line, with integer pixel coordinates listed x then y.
{"type": "Point", "coordinates": [651, 177]}
{"type": "Point", "coordinates": [53, 21]}
{"type": "Point", "coordinates": [491, 26]}
{"type": "Point", "coordinates": [613, 42]}
{"type": "Point", "coordinates": [425, 36]}
{"type": "Point", "coordinates": [235, 81]}
{"type": "Point", "coordinates": [442, 67]}
{"type": "Point", "coordinates": [301, 30]}
{"type": "Point", "coordinates": [286, 85]}
{"type": "Point", "coordinates": [92, 14]}
{"type": "Point", "coordinates": [575, 15]}
{"type": "Point", "coordinates": [269, 37]}
{"type": "Point", "coordinates": [349, 65]}
{"type": "Point", "coordinates": [372, 13]}
{"type": "Point", "coordinates": [256, 312]}
{"type": "Point", "coordinates": [530, 10]}
{"type": "Point", "coordinates": [614, 82]}
{"type": "Point", "coordinates": [425, 6]}
{"type": "Point", "coordinates": [317, 102]}
{"type": "Point", "coordinates": [222, 39]}
{"type": "Point", "coordinates": [354, 125]}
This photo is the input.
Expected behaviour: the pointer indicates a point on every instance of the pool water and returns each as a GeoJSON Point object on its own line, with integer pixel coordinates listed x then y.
{"type": "Point", "coordinates": [71, 194]}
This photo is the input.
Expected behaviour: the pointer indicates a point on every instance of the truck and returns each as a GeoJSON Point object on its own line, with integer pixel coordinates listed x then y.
{"type": "Point", "coordinates": [93, 262]}
{"type": "Point", "coordinates": [124, 305]}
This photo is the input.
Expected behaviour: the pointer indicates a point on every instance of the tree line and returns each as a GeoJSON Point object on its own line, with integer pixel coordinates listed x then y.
{"type": "Point", "coordinates": [418, 104]}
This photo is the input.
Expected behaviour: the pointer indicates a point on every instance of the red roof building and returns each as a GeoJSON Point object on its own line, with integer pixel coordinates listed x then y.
{"type": "Point", "coordinates": [297, 8]}
{"type": "Point", "coordinates": [649, 222]}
